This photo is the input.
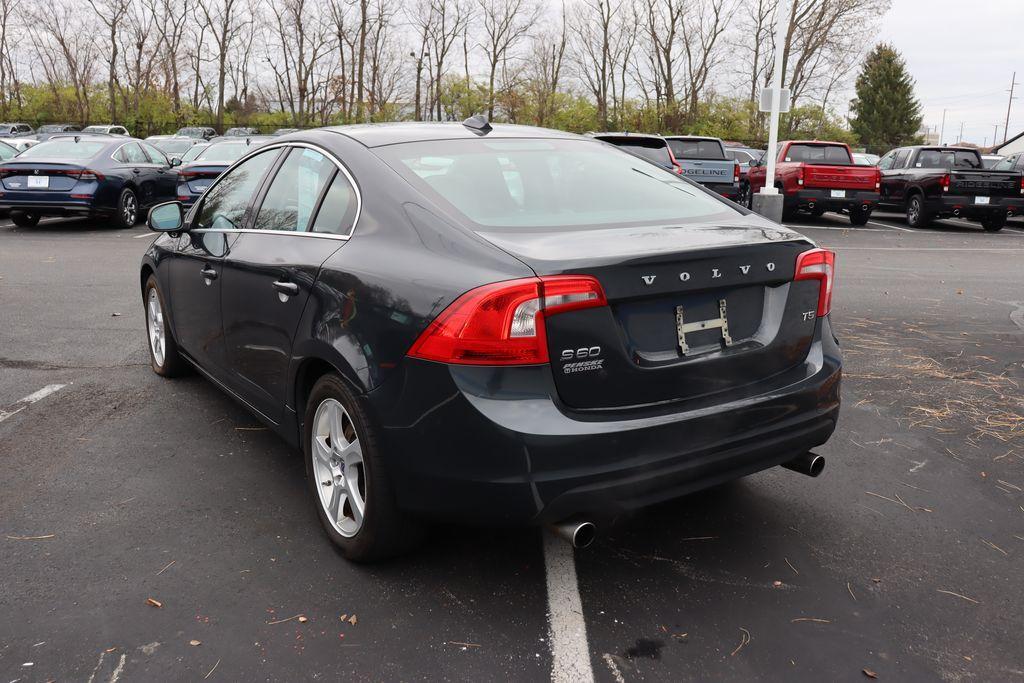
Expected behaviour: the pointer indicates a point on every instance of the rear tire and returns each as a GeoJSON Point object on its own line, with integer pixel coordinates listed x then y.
{"type": "Point", "coordinates": [917, 214]}
{"type": "Point", "coordinates": [348, 478]}
{"type": "Point", "coordinates": [994, 223]}
{"type": "Point", "coordinates": [127, 209]}
{"type": "Point", "coordinates": [25, 219]}
{"type": "Point", "coordinates": [859, 216]}
{"type": "Point", "coordinates": [163, 350]}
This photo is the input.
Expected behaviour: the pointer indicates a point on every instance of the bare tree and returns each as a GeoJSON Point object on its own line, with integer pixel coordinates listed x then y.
{"type": "Point", "coordinates": [225, 21]}
{"type": "Point", "coordinates": [505, 23]}
{"type": "Point", "coordinates": [299, 38]}
{"type": "Point", "coordinates": [549, 51]}
{"type": "Point", "coordinates": [110, 13]}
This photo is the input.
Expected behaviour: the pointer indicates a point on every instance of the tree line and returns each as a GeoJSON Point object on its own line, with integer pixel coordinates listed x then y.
{"type": "Point", "coordinates": [645, 65]}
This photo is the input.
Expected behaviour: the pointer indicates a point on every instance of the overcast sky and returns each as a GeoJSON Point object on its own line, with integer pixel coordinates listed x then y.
{"type": "Point", "coordinates": [962, 55]}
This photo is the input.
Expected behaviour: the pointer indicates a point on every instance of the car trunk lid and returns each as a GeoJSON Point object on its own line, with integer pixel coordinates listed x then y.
{"type": "Point", "coordinates": [987, 183]}
{"type": "Point", "coordinates": [692, 311]}
{"type": "Point", "coordinates": [200, 177]}
{"type": "Point", "coordinates": [40, 176]}
{"type": "Point", "coordinates": [840, 177]}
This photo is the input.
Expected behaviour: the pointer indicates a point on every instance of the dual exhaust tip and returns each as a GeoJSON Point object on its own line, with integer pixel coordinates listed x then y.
{"type": "Point", "coordinates": [581, 534]}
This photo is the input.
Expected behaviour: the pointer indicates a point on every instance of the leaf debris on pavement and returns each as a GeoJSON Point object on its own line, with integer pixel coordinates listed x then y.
{"type": "Point", "coordinates": [744, 640]}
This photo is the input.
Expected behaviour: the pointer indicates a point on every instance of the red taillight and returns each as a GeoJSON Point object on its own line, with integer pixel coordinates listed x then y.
{"type": "Point", "coordinates": [945, 183]}
{"type": "Point", "coordinates": [503, 323]}
{"type": "Point", "coordinates": [800, 175]}
{"type": "Point", "coordinates": [88, 175]}
{"type": "Point", "coordinates": [1022, 185]}
{"type": "Point", "coordinates": [818, 264]}
{"type": "Point", "coordinates": [188, 174]}
{"type": "Point", "coordinates": [735, 173]}
{"type": "Point", "coordinates": [878, 179]}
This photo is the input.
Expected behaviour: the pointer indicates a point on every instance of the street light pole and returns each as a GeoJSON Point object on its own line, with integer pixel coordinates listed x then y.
{"type": "Point", "coordinates": [768, 202]}
{"type": "Point", "coordinates": [942, 131]}
{"type": "Point", "coordinates": [1006, 126]}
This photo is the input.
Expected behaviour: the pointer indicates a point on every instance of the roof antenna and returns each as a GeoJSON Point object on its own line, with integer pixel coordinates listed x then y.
{"type": "Point", "coordinates": [478, 124]}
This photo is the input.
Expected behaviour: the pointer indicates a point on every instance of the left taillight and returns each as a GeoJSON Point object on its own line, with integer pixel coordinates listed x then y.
{"type": "Point", "coordinates": [503, 323]}
{"type": "Point", "coordinates": [818, 264]}
{"type": "Point", "coordinates": [878, 179]}
{"type": "Point", "coordinates": [735, 173]}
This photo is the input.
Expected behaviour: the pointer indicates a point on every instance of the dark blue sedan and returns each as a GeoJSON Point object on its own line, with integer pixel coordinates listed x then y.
{"type": "Point", "coordinates": [89, 176]}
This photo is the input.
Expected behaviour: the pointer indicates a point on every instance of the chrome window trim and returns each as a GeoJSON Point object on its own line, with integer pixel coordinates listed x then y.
{"type": "Point", "coordinates": [280, 145]}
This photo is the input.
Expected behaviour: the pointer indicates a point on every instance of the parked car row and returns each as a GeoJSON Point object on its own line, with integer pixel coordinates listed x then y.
{"type": "Point", "coordinates": [107, 176]}
{"type": "Point", "coordinates": [45, 132]}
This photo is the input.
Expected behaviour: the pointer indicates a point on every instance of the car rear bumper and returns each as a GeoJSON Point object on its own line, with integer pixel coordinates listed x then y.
{"type": "Point", "coordinates": [727, 190]}
{"type": "Point", "coordinates": [496, 446]}
{"type": "Point", "coordinates": [966, 206]}
{"type": "Point", "coordinates": [822, 198]}
{"type": "Point", "coordinates": [54, 207]}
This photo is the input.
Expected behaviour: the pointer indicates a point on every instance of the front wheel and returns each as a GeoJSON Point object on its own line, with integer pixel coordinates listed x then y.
{"type": "Point", "coordinates": [994, 223]}
{"type": "Point", "coordinates": [163, 350]}
{"type": "Point", "coordinates": [859, 216]}
{"type": "Point", "coordinates": [347, 476]}
{"type": "Point", "coordinates": [917, 215]}
{"type": "Point", "coordinates": [25, 219]}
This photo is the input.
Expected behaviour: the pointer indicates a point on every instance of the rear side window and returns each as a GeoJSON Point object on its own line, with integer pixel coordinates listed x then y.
{"type": "Point", "coordinates": [6, 152]}
{"type": "Point", "coordinates": [296, 188]}
{"type": "Point", "coordinates": [836, 155]}
{"type": "Point", "coordinates": [134, 154]}
{"type": "Point", "coordinates": [63, 148]}
{"type": "Point", "coordinates": [338, 208]}
{"type": "Point", "coordinates": [556, 184]}
{"type": "Point", "coordinates": [155, 155]}
{"type": "Point", "coordinates": [226, 205]}
{"type": "Point", "coordinates": [901, 158]}
{"type": "Point", "coordinates": [697, 149]}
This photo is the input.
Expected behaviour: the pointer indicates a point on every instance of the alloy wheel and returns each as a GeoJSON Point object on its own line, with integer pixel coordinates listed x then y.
{"type": "Point", "coordinates": [913, 211]}
{"type": "Point", "coordinates": [155, 324]}
{"type": "Point", "coordinates": [338, 467]}
{"type": "Point", "coordinates": [129, 208]}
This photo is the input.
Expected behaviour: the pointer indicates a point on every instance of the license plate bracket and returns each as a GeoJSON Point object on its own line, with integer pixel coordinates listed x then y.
{"type": "Point", "coordinates": [981, 200]}
{"type": "Point", "coordinates": [683, 328]}
{"type": "Point", "coordinates": [41, 182]}
{"type": "Point", "coordinates": [838, 194]}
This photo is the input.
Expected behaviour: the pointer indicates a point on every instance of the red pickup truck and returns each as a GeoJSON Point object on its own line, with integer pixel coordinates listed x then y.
{"type": "Point", "coordinates": [817, 177]}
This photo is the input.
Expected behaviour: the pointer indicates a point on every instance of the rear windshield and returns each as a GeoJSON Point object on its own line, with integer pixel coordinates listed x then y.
{"type": "Point", "coordinates": [172, 146]}
{"type": "Point", "coordinates": [225, 151]}
{"type": "Point", "coordinates": [549, 183]}
{"type": "Point", "coordinates": [63, 148]}
{"type": "Point", "coordinates": [654, 151]}
{"type": "Point", "coordinates": [54, 128]}
{"type": "Point", "coordinates": [947, 158]}
{"type": "Point", "coordinates": [833, 155]}
{"type": "Point", "coordinates": [696, 149]}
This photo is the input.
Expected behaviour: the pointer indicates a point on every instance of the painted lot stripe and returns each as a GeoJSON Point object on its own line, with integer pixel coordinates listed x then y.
{"type": "Point", "coordinates": [799, 228]}
{"type": "Point", "coordinates": [144, 234]}
{"type": "Point", "coordinates": [20, 405]}
{"type": "Point", "coordinates": [567, 630]}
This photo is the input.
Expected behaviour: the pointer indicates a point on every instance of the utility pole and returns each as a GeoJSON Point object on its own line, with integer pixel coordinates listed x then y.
{"type": "Point", "coordinates": [995, 134]}
{"type": "Point", "coordinates": [1006, 126]}
{"type": "Point", "coordinates": [960, 138]}
{"type": "Point", "coordinates": [942, 131]}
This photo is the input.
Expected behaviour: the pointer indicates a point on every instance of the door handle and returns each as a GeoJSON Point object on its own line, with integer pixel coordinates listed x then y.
{"type": "Point", "coordinates": [209, 274]}
{"type": "Point", "coordinates": [286, 288]}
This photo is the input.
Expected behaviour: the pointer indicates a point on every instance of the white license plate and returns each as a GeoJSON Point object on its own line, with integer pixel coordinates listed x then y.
{"type": "Point", "coordinates": [838, 194]}
{"type": "Point", "coordinates": [38, 181]}
{"type": "Point", "coordinates": [981, 200]}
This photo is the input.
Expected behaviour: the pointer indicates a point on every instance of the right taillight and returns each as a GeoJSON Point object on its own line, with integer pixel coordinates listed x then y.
{"type": "Point", "coordinates": [503, 323]}
{"type": "Point", "coordinates": [945, 183]}
{"type": "Point", "coordinates": [818, 264]}
{"type": "Point", "coordinates": [735, 173]}
{"type": "Point", "coordinates": [1022, 185]}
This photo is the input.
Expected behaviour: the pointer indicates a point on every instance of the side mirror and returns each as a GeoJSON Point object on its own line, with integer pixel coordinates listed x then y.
{"type": "Point", "coordinates": [166, 217]}
{"type": "Point", "coordinates": [175, 161]}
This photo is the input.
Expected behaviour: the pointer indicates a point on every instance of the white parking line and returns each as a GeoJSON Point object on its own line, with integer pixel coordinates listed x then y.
{"type": "Point", "coordinates": [19, 406]}
{"type": "Point", "coordinates": [567, 629]}
{"type": "Point", "coordinates": [893, 227]}
{"type": "Point", "coordinates": [144, 234]}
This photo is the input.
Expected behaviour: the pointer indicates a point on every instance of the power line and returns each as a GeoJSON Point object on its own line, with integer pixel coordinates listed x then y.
{"type": "Point", "coordinates": [1006, 126]}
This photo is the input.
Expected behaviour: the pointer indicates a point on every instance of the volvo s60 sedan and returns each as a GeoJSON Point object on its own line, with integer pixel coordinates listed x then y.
{"type": "Point", "coordinates": [497, 325]}
{"type": "Point", "coordinates": [86, 175]}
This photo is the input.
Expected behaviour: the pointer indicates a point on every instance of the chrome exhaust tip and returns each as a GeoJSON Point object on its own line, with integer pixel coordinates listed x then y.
{"type": "Point", "coordinates": [808, 463]}
{"type": "Point", "coordinates": [956, 212]}
{"type": "Point", "coordinates": [863, 207]}
{"type": "Point", "coordinates": [578, 534]}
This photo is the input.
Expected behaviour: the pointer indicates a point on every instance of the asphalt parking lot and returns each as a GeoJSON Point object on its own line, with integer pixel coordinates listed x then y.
{"type": "Point", "coordinates": [903, 559]}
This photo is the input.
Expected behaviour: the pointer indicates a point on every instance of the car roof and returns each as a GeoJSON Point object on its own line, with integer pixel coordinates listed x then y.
{"type": "Point", "coordinates": [692, 137]}
{"type": "Point", "coordinates": [380, 134]}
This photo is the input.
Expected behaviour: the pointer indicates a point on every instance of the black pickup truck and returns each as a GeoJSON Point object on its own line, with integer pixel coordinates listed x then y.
{"type": "Point", "coordinates": [938, 182]}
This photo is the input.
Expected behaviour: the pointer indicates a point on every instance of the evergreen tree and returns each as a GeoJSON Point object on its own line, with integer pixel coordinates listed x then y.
{"type": "Point", "coordinates": [885, 113]}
